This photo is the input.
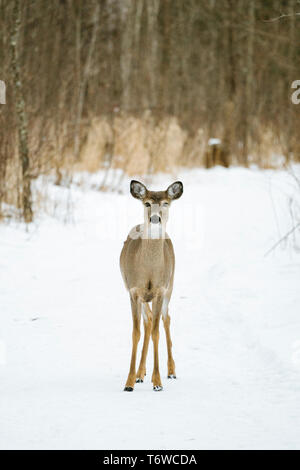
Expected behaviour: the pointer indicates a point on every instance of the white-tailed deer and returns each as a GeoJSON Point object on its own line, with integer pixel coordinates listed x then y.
{"type": "Point", "coordinates": [147, 264]}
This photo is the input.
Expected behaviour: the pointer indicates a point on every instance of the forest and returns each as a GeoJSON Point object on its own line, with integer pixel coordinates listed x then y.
{"type": "Point", "coordinates": [192, 107]}
{"type": "Point", "coordinates": [144, 86]}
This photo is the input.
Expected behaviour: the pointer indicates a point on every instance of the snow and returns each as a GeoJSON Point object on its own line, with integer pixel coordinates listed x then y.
{"type": "Point", "coordinates": [214, 141]}
{"type": "Point", "coordinates": [65, 337]}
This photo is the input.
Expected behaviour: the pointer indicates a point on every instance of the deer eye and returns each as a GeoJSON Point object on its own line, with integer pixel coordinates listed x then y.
{"type": "Point", "coordinates": [165, 204]}
{"type": "Point", "coordinates": [147, 204]}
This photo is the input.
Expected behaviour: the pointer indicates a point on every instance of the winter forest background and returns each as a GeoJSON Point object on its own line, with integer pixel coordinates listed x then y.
{"type": "Point", "coordinates": [102, 91]}
{"type": "Point", "coordinates": [142, 86]}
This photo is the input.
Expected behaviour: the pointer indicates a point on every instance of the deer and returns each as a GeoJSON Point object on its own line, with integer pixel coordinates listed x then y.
{"type": "Point", "coordinates": [147, 264]}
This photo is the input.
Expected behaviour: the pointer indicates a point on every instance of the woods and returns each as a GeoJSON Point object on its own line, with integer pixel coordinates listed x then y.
{"type": "Point", "coordinates": [159, 137]}
{"type": "Point", "coordinates": [143, 86]}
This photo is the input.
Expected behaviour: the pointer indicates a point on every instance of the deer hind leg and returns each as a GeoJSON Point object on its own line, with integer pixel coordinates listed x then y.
{"type": "Point", "coordinates": [136, 317]}
{"type": "Point", "coordinates": [171, 363]}
{"type": "Point", "coordinates": [147, 316]}
{"type": "Point", "coordinates": [156, 311]}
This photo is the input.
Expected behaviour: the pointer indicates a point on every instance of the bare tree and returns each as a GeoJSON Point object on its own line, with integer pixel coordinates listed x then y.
{"type": "Point", "coordinates": [142, 79]}
{"type": "Point", "coordinates": [86, 71]}
{"type": "Point", "coordinates": [21, 114]}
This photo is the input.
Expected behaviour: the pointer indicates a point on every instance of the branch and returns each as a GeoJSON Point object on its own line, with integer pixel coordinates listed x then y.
{"type": "Point", "coordinates": [290, 170]}
{"type": "Point", "coordinates": [281, 16]}
{"type": "Point", "coordinates": [282, 239]}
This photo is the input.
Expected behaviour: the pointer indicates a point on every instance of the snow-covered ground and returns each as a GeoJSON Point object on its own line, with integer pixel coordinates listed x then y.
{"type": "Point", "coordinates": [65, 325]}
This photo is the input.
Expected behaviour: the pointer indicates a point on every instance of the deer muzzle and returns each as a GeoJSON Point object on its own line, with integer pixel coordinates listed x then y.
{"type": "Point", "coordinates": [155, 219]}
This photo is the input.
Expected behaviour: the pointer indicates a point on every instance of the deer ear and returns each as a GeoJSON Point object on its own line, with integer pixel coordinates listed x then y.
{"type": "Point", "coordinates": [175, 190]}
{"type": "Point", "coordinates": [138, 190]}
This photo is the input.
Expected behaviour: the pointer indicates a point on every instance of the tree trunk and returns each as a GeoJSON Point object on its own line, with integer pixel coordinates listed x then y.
{"type": "Point", "coordinates": [85, 75]}
{"type": "Point", "coordinates": [291, 55]}
{"type": "Point", "coordinates": [249, 81]}
{"type": "Point", "coordinates": [21, 115]}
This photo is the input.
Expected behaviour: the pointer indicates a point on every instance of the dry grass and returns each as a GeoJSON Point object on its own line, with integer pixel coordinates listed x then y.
{"type": "Point", "coordinates": [136, 145]}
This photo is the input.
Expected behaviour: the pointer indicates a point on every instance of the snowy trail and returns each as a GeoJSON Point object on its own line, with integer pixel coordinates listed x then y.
{"type": "Point", "coordinates": [65, 328]}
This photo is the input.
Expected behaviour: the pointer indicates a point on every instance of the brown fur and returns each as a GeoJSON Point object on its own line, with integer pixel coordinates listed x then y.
{"type": "Point", "coordinates": [147, 267]}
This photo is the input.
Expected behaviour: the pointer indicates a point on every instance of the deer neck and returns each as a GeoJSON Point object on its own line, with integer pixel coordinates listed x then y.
{"type": "Point", "coordinates": [152, 243]}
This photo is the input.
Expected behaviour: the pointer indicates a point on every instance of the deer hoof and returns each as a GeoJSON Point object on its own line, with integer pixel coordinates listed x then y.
{"type": "Point", "coordinates": [157, 388]}
{"type": "Point", "coordinates": [139, 380]}
{"type": "Point", "coordinates": [171, 376]}
{"type": "Point", "coordinates": [128, 389]}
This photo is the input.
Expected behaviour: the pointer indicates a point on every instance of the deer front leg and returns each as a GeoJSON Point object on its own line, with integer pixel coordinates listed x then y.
{"type": "Point", "coordinates": [171, 363]}
{"type": "Point", "coordinates": [135, 339]}
{"type": "Point", "coordinates": [147, 315]}
{"type": "Point", "coordinates": [156, 311]}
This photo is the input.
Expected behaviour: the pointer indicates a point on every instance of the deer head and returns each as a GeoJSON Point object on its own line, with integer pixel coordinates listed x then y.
{"type": "Point", "coordinates": [156, 204]}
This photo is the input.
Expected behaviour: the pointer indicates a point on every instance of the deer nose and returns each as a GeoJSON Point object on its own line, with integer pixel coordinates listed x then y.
{"type": "Point", "coordinates": [155, 219]}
